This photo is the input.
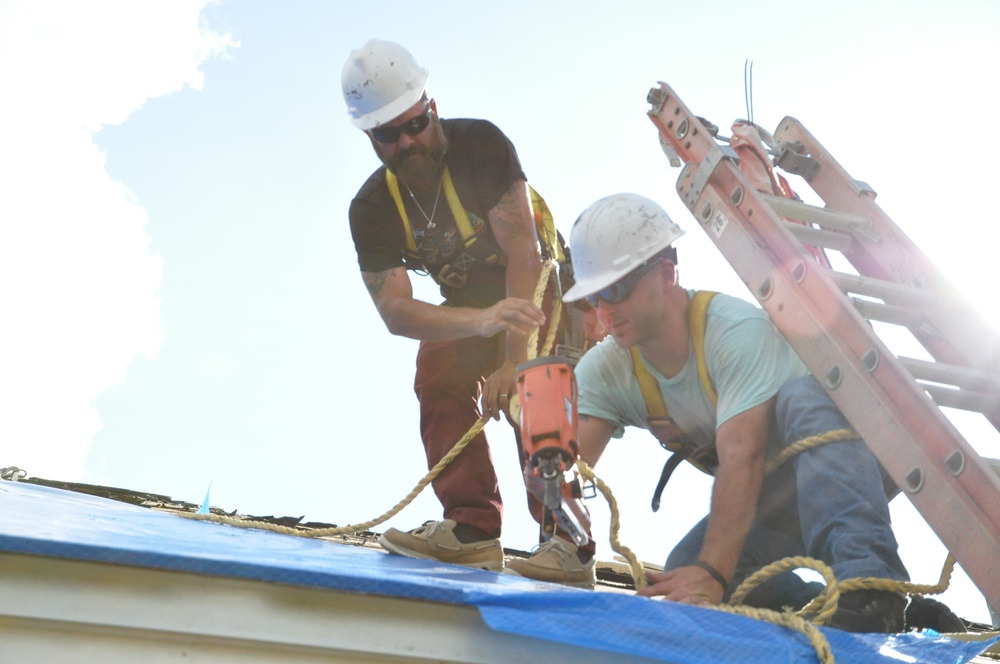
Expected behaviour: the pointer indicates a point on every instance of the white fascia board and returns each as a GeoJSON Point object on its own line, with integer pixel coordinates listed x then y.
{"type": "Point", "coordinates": [59, 611]}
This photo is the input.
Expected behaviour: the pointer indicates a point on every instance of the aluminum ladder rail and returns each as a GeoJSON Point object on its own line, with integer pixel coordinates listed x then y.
{"type": "Point", "coordinates": [823, 313]}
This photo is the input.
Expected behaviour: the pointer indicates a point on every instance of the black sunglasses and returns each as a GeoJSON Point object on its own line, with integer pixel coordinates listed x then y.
{"type": "Point", "coordinates": [411, 127]}
{"type": "Point", "coordinates": [622, 289]}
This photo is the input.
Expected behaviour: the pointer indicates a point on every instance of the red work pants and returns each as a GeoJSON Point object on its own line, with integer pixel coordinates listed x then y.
{"type": "Point", "coordinates": [449, 379]}
{"type": "Point", "coordinates": [448, 383]}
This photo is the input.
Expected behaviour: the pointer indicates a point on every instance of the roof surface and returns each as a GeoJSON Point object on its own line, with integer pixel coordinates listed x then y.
{"type": "Point", "coordinates": [47, 522]}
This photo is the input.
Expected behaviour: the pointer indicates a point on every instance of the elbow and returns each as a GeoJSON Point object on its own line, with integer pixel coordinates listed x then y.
{"type": "Point", "coordinates": [394, 322]}
{"type": "Point", "coordinates": [394, 330]}
{"type": "Point", "coordinates": [396, 326]}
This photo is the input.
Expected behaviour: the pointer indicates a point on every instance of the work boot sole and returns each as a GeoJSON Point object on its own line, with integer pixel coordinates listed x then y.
{"type": "Point", "coordinates": [489, 565]}
{"type": "Point", "coordinates": [584, 583]}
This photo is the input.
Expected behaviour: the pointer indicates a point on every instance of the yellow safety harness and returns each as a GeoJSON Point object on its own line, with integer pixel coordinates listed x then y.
{"type": "Point", "coordinates": [666, 430]}
{"type": "Point", "coordinates": [452, 274]}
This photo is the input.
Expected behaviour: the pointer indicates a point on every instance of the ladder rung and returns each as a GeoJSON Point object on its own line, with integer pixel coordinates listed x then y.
{"type": "Point", "coordinates": [883, 290]}
{"type": "Point", "coordinates": [961, 377]}
{"type": "Point", "coordinates": [962, 399]}
{"type": "Point", "coordinates": [836, 221]}
{"type": "Point", "coordinates": [887, 313]}
{"type": "Point", "coordinates": [820, 238]}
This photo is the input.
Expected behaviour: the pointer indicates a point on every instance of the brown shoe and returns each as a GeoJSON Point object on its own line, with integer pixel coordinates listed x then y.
{"type": "Point", "coordinates": [555, 561]}
{"type": "Point", "coordinates": [435, 540]}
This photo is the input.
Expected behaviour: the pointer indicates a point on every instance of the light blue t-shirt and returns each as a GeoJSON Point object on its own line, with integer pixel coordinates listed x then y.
{"type": "Point", "coordinates": [748, 361]}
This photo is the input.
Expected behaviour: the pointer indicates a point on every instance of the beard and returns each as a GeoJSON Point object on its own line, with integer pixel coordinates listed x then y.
{"type": "Point", "coordinates": [419, 166]}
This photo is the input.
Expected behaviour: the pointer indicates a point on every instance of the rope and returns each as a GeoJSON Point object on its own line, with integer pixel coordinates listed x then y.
{"type": "Point", "coordinates": [826, 601]}
{"type": "Point", "coordinates": [638, 576]}
{"type": "Point", "coordinates": [807, 443]}
{"type": "Point", "coordinates": [547, 270]}
{"type": "Point", "coordinates": [790, 621]}
{"type": "Point", "coordinates": [871, 583]}
{"type": "Point", "coordinates": [13, 473]}
{"type": "Point", "coordinates": [355, 528]}
{"type": "Point", "coordinates": [822, 607]}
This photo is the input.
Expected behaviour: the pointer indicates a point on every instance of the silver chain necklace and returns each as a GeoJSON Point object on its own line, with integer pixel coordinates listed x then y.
{"type": "Point", "coordinates": [437, 197]}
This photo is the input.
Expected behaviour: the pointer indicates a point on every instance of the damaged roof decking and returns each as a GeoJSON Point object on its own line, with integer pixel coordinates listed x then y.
{"type": "Point", "coordinates": [177, 583]}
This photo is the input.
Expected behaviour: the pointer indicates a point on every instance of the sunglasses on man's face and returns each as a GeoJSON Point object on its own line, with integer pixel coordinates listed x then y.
{"type": "Point", "coordinates": [411, 127]}
{"type": "Point", "coordinates": [622, 289]}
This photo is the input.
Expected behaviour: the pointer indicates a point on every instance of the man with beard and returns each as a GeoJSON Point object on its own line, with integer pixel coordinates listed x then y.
{"type": "Point", "coordinates": [452, 201]}
{"type": "Point", "coordinates": [714, 381]}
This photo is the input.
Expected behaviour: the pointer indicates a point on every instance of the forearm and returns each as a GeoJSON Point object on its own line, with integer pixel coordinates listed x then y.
{"type": "Point", "coordinates": [405, 316]}
{"type": "Point", "coordinates": [741, 443]}
{"type": "Point", "coordinates": [408, 317]}
{"type": "Point", "coordinates": [594, 434]}
{"type": "Point", "coordinates": [733, 507]}
{"type": "Point", "coordinates": [423, 321]}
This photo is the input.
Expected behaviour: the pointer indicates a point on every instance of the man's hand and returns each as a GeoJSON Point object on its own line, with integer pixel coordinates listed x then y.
{"type": "Point", "coordinates": [498, 390]}
{"type": "Point", "coordinates": [689, 585]}
{"type": "Point", "coordinates": [512, 314]}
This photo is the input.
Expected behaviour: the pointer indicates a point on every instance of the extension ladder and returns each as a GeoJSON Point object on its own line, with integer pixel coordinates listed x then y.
{"type": "Point", "coordinates": [893, 402]}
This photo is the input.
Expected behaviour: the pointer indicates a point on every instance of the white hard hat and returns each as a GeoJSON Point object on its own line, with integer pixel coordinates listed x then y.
{"type": "Point", "coordinates": [614, 236]}
{"type": "Point", "coordinates": [381, 80]}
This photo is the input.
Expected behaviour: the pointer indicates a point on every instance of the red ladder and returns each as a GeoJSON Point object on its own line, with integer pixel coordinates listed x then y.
{"type": "Point", "coordinates": [893, 402]}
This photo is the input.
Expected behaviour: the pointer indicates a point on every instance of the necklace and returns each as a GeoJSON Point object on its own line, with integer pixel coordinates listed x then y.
{"type": "Point", "coordinates": [437, 197]}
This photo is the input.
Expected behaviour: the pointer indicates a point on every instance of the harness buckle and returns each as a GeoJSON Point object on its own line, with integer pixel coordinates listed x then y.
{"type": "Point", "coordinates": [450, 275]}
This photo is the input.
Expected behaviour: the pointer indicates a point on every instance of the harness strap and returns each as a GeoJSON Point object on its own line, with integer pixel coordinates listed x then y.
{"type": "Point", "coordinates": [457, 211]}
{"type": "Point", "coordinates": [697, 323]}
{"type": "Point", "coordinates": [546, 226]}
{"type": "Point", "coordinates": [544, 222]}
{"type": "Point", "coordinates": [663, 427]}
{"type": "Point", "coordinates": [393, 183]}
{"type": "Point", "coordinates": [674, 460]}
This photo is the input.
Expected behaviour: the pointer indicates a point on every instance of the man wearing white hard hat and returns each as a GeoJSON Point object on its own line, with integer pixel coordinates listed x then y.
{"type": "Point", "coordinates": [451, 201]}
{"type": "Point", "coordinates": [714, 381]}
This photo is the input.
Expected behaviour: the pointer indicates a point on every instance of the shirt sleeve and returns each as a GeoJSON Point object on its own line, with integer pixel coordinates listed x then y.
{"type": "Point", "coordinates": [603, 387]}
{"type": "Point", "coordinates": [379, 238]}
{"type": "Point", "coordinates": [749, 361]}
{"type": "Point", "coordinates": [483, 164]}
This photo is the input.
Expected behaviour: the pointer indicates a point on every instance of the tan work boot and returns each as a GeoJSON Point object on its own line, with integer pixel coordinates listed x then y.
{"type": "Point", "coordinates": [556, 561]}
{"type": "Point", "coordinates": [435, 540]}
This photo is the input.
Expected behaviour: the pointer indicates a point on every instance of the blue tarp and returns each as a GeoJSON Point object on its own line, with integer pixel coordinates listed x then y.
{"type": "Point", "coordinates": [51, 522]}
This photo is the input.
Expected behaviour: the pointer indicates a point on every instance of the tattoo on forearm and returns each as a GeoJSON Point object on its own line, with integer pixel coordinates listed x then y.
{"type": "Point", "coordinates": [375, 281]}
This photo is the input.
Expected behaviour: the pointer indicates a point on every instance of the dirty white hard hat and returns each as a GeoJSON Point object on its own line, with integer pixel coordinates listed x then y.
{"type": "Point", "coordinates": [614, 236]}
{"type": "Point", "coordinates": [380, 81]}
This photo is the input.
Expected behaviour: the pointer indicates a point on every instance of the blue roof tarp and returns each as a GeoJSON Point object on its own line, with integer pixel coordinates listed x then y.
{"type": "Point", "coordinates": [43, 521]}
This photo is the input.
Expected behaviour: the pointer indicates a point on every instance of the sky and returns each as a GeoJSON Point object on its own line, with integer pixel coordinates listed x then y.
{"type": "Point", "coordinates": [181, 301]}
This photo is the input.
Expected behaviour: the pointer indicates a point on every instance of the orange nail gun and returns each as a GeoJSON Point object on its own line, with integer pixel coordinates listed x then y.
{"type": "Point", "coordinates": [546, 390]}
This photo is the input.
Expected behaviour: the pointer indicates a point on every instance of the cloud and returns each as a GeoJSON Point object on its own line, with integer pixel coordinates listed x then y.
{"type": "Point", "coordinates": [78, 279]}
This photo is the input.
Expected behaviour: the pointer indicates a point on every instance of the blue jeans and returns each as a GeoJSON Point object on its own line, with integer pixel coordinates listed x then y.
{"type": "Point", "coordinates": [827, 503]}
